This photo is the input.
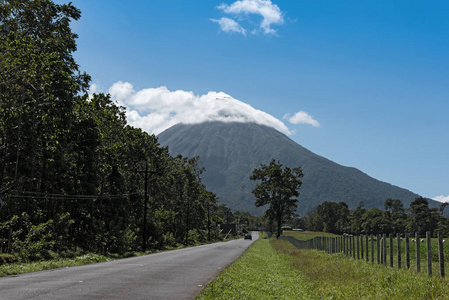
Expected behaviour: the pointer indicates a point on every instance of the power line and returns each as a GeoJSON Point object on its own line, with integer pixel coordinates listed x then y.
{"type": "Point", "coordinates": [40, 195]}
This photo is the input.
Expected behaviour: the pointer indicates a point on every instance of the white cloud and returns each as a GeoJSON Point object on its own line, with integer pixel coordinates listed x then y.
{"type": "Point", "coordinates": [156, 109]}
{"type": "Point", "coordinates": [301, 117]}
{"type": "Point", "coordinates": [93, 88]}
{"type": "Point", "coordinates": [270, 12]}
{"type": "Point", "coordinates": [441, 198]}
{"type": "Point", "coordinates": [229, 25]}
{"type": "Point", "coordinates": [120, 91]}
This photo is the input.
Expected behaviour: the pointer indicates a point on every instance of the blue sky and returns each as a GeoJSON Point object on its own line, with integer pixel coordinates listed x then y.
{"type": "Point", "coordinates": [370, 79]}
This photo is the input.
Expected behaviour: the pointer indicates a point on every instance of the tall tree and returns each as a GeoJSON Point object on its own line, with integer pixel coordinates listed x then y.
{"type": "Point", "coordinates": [422, 218]}
{"type": "Point", "coordinates": [396, 213]}
{"type": "Point", "coordinates": [70, 166]}
{"type": "Point", "coordinates": [279, 188]}
{"type": "Point", "coordinates": [335, 216]}
{"type": "Point", "coordinates": [39, 84]}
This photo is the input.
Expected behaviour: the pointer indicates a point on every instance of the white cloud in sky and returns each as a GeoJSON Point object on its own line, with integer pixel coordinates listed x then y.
{"type": "Point", "coordinates": [271, 14]}
{"type": "Point", "coordinates": [441, 198]}
{"type": "Point", "coordinates": [93, 88]}
{"type": "Point", "coordinates": [229, 25]}
{"type": "Point", "coordinates": [156, 109]}
{"type": "Point", "coordinates": [301, 117]}
{"type": "Point", "coordinates": [120, 91]}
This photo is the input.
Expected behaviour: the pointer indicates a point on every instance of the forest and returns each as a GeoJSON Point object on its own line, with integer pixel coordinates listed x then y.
{"type": "Point", "coordinates": [73, 174]}
{"type": "Point", "coordinates": [337, 218]}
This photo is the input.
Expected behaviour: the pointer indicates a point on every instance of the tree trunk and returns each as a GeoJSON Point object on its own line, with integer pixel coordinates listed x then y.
{"type": "Point", "coordinates": [279, 221]}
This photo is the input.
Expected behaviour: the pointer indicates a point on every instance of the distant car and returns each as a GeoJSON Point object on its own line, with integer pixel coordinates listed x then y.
{"type": "Point", "coordinates": [248, 236]}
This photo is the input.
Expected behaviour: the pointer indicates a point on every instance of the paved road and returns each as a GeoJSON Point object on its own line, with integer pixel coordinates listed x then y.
{"type": "Point", "coordinates": [178, 274]}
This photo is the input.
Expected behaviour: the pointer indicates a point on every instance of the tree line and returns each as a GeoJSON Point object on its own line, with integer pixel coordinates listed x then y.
{"type": "Point", "coordinates": [73, 173]}
{"type": "Point", "coordinates": [395, 218]}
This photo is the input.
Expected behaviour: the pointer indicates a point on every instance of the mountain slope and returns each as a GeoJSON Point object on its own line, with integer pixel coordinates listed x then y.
{"type": "Point", "coordinates": [230, 151]}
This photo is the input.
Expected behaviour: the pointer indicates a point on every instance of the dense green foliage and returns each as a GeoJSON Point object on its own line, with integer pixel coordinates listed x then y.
{"type": "Point", "coordinates": [337, 218]}
{"type": "Point", "coordinates": [60, 262]}
{"type": "Point", "coordinates": [72, 171]}
{"type": "Point", "coordinates": [278, 187]}
{"type": "Point", "coordinates": [231, 151]}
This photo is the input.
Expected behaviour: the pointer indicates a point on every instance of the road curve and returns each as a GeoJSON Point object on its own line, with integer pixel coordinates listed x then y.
{"type": "Point", "coordinates": [177, 274]}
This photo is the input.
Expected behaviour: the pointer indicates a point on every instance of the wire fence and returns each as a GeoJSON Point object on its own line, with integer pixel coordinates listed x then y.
{"type": "Point", "coordinates": [388, 250]}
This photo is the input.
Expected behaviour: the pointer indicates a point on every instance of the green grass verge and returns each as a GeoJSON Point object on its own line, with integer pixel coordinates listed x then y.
{"type": "Point", "coordinates": [260, 273]}
{"type": "Point", "coordinates": [275, 269]}
{"type": "Point", "coordinates": [19, 268]}
{"type": "Point", "coordinates": [307, 235]}
{"type": "Point", "coordinates": [338, 277]}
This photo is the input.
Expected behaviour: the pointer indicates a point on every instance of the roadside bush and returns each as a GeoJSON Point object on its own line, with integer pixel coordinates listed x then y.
{"type": "Point", "coordinates": [6, 258]}
{"type": "Point", "coordinates": [169, 240]}
{"type": "Point", "coordinates": [193, 237]}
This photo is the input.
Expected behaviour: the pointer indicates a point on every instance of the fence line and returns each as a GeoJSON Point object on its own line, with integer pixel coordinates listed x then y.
{"type": "Point", "coordinates": [353, 247]}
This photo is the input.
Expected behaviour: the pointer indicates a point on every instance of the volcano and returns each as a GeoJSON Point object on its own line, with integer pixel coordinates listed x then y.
{"type": "Point", "coordinates": [231, 151]}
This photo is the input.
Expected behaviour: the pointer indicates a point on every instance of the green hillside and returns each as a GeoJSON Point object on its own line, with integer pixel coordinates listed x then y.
{"type": "Point", "coordinates": [230, 151]}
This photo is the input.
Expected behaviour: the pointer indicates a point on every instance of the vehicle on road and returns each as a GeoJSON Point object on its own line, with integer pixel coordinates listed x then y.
{"type": "Point", "coordinates": [248, 236]}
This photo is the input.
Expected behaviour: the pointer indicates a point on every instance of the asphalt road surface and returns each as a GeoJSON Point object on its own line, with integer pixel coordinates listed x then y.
{"type": "Point", "coordinates": [178, 274]}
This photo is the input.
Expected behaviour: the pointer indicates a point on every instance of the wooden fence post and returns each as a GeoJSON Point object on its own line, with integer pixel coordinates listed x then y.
{"type": "Point", "coordinates": [399, 249]}
{"type": "Point", "coordinates": [348, 246]}
{"type": "Point", "coordinates": [418, 253]}
{"type": "Point", "coordinates": [381, 250]}
{"type": "Point", "coordinates": [384, 250]}
{"type": "Point", "coordinates": [441, 254]}
{"type": "Point", "coordinates": [367, 248]}
{"type": "Point", "coordinates": [353, 246]}
{"type": "Point", "coordinates": [429, 253]}
{"type": "Point", "coordinates": [372, 248]}
{"type": "Point", "coordinates": [378, 248]}
{"type": "Point", "coordinates": [407, 251]}
{"type": "Point", "coordinates": [358, 246]}
{"type": "Point", "coordinates": [361, 247]}
{"type": "Point", "coordinates": [391, 250]}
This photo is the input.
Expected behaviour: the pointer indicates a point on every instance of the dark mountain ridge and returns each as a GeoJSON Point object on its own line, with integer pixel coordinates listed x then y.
{"type": "Point", "coordinates": [230, 151]}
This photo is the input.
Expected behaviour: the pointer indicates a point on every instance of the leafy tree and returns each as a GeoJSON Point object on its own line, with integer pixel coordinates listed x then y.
{"type": "Point", "coordinates": [396, 214]}
{"type": "Point", "coordinates": [356, 218]}
{"type": "Point", "coordinates": [69, 163]}
{"type": "Point", "coordinates": [375, 221]}
{"type": "Point", "coordinates": [334, 216]}
{"type": "Point", "coordinates": [314, 221]}
{"type": "Point", "coordinates": [39, 82]}
{"type": "Point", "coordinates": [278, 187]}
{"type": "Point", "coordinates": [422, 218]}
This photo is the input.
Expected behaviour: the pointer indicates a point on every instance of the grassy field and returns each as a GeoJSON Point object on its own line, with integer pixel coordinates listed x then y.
{"type": "Point", "coordinates": [412, 246]}
{"type": "Point", "coordinates": [260, 273]}
{"type": "Point", "coordinates": [275, 269]}
{"type": "Point", "coordinates": [307, 235]}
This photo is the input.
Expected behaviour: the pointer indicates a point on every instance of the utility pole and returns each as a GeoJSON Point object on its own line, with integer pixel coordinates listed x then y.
{"type": "Point", "coordinates": [208, 221]}
{"type": "Point", "coordinates": [146, 175]}
{"type": "Point", "coordinates": [145, 210]}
